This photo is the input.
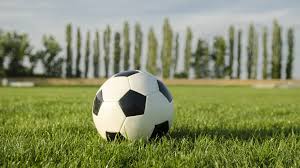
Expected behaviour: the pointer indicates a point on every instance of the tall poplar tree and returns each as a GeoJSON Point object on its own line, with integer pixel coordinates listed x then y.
{"type": "Point", "coordinates": [231, 50]}
{"type": "Point", "coordinates": [96, 54]}
{"type": "Point", "coordinates": [152, 52]}
{"type": "Point", "coordinates": [290, 58]}
{"type": "Point", "coordinates": [167, 48]}
{"type": "Point", "coordinates": [176, 54]}
{"type": "Point", "coordinates": [206, 60]}
{"type": "Point", "coordinates": [106, 44]}
{"type": "Point", "coordinates": [69, 50]}
{"type": "Point", "coordinates": [239, 54]}
{"type": "Point", "coordinates": [255, 56]}
{"type": "Point", "coordinates": [2, 41]}
{"type": "Point", "coordinates": [201, 59]}
{"type": "Point", "coordinates": [87, 54]}
{"type": "Point", "coordinates": [138, 46]}
{"type": "Point", "coordinates": [250, 51]}
{"type": "Point", "coordinates": [117, 52]}
{"type": "Point", "coordinates": [188, 50]}
{"type": "Point", "coordinates": [265, 53]}
{"type": "Point", "coordinates": [2, 73]}
{"type": "Point", "coordinates": [276, 51]}
{"type": "Point", "coordinates": [126, 46]}
{"type": "Point", "coordinates": [219, 54]}
{"type": "Point", "coordinates": [78, 58]}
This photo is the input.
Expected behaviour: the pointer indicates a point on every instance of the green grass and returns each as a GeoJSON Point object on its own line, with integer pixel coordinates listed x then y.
{"type": "Point", "coordinates": [214, 127]}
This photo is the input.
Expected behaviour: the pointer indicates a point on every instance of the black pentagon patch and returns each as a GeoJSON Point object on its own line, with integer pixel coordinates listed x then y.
{"type": "Point", "coordinates": [133, 103]}
{"type": "Point", "coordinates": [160, 130]}
{"type": "Point", "coordinates": [126, 73]}
{"type": "Point", "coordinates": [111, 136]}
{"type": "Point", "coordinates": [97, 103]}
{"type": "Point", "coordinates": [163, 89]}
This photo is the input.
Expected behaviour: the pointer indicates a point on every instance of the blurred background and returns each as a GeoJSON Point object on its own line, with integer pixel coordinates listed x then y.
{"type": "Point", "coordinates": [172, 39]}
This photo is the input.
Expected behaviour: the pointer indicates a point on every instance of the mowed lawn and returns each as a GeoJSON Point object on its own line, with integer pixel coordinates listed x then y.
{"type": "Point", "coordinates": [213, 127]}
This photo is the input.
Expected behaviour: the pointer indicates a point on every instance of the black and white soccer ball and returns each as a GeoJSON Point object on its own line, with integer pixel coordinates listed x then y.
{"type": "Point", "coordinates": [133, 105]}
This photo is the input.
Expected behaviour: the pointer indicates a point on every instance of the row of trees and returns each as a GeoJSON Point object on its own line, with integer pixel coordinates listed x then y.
{"type": "Point", "coordinates": [15, 47]}
{"type": "Point", "coordinates": [206, 61]}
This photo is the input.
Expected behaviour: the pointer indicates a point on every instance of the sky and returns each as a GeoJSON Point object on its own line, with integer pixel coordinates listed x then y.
{"type": "Point", "coordinates": [207, 18]}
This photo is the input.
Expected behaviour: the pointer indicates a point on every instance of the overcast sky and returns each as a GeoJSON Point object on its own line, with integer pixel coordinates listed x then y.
{"type": "Point", "coordinates": [207, 18]}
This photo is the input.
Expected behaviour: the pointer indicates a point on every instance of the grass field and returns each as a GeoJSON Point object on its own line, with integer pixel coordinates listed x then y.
{"type": "Point", "coordinates": [214, 127]}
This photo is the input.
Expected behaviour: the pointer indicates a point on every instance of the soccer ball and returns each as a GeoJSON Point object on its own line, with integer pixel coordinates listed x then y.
{"type": "Point", "coordinates": [133, 105]}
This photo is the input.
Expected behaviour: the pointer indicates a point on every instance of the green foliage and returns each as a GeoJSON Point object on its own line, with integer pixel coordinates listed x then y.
{"type": "Point", "coordinates": [265, 53]}
{"type": "Point", "coordinates": [106, 44]}
{"type": "Point", "coordinates": [201, 59]}
{"type": "Point", "coordinates": [176, 54]}
{"type": "Point", "coordinates": [181, 75]}
{"type": "Point", "coordinates": [35, 58]}
{"type": "Point", "coordinates": [16, 47]}
{"type": "Point", "coordinates": [96, 54]}
{"type": "Point", "coordinates": [213, 127]}
{"type": "Point", "coordinates": [167, 48]}
{"type": "Point", "coordinates": [276, 50]}
{"type": "Point", "coordinates": [188, 50]}
{"type": "Point", "coordinates": [126, 46]}
{"type": "Point", "coordinates": [239, 54]}
{"type": "Point", "coordinates": [152, 52]}
{"type": "Point", "coordinates": [78, 58]}
{"type": "Point", "coordinates": [69, 50]}
{"type": "Point", "coordinates": [49, 57]}
{"type": "Point", "coordinates": [117, 52]}
{"type": "Point", "coordinates": [138, 46]}
{"type": "Point", "coordinates": [252, 52]}
{"type": "Point", "coordinates": [231, 51]}
{"type": "Point", "coordinates": [219, 52]}
{"type": "Point", "coordinates": [2, 56]}
{"type": "Point", "coordinates": [87, 54]}
{"type": "Point", "coordinates": [290, 58]}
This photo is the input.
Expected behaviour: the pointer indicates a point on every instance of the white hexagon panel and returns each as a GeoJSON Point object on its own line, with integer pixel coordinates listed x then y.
{"type": "Point", "coordinates": [114, 88]}
{"type": "Point", "coordinates": [109, 119]}
{"type": "Point", "coordinates": [137, 127]}
{"type": "Point", "coordinates": [143, 83]}
{"type": "Point", "coordinates": [158, 109]}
